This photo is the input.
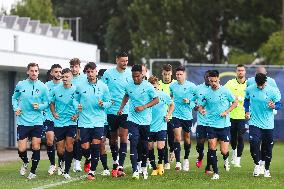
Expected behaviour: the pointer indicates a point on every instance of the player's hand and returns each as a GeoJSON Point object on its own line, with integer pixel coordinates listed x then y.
{"type": "Point", "coordinates": [271, 104]}
{"type": "Point", "coordinates": [196, 108]}
{"type": "Point", "coordinates": [247, 115]}
{"type": "Point", "coordinates": [167, 118]}
{"type": "Point", "coordinates": [185, 100]}
{"type": "Point", "coordinates": [224, 114]}
{"type": "Point", "coordinates": [201, 110]}
{"type": "Point", "coordinates": [55, 115]}
{"type": "Point", "coordinates": [80, 107]}
{"type": "Point", "coordinates": [18, 112]}
{"type": "Point", "coordinates": [74, 117]}
{"type": "Point", "coordinates": [101, 103]}
{"type": "Point", "coordinates": [119, 112]}
{"type": "Point", "coordinates": [139, 108]}
{"type": "Point", "coordinates": [35, 106]}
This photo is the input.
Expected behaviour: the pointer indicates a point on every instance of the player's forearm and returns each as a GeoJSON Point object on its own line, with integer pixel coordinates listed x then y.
{"type": "Point", "coordinates": [43, 105]}
{"type": "Point", "coordinates": [171, 109]}
{"type": "Point", "coordinates": [124, 101]}
{"type": "Point", "coordinates": [233, 106]}
{"type": "Point", "coordinates": [152, 103]}
{"type": "Point", "coordinates": [52, 108]}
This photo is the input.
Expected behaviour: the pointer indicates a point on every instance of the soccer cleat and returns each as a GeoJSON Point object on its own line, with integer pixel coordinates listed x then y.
{"type": "Point", "coordinates": [234, 156]}
{"type": "Point", "coordinates": [167, 166]}
{"type": "Point", "coordinates": [198, 163]}
{"type": "Point", "coordinates": [256, 171]}
{"type": "Point", "coordinates": [215, 177]}
{"type": "Point", "coordinates": [208, 172]}
{"type": "Point", "coordinates": [87, 167]}
{"type": "Point", "coordinates": [267, 173]}
{"type": "Point", "coordinates": [144, 172]}
{"type": "Point", "coordinates": [261, 168]}
{"type": "Point", "coordinates": [227, 165]}
{"type": "Point", "coordinates": [154, 172]}
{"type": "Point", "coordinates": [121, 173]}
{"type": "Point", "coordinates": [135, 175]}
{"type": "Point", "coordinates": [31, 176]}
{"type": "Point", "coordinates": [139, 166]}
{"type": "Point", "coordinates": [61, 168]}
{"type": "Point", "coordinates": [66, 176]}
{"type": "Point", "coordinates": [77, 166]}
{"type": "Point", "coordinates": [172, 156]}
{"type": "Point", "coordinates": [52, 169]}
{"type": "Point", "coordinates": [178, 166]}
{"type": "Point", "coordinates": [24, 169]}
{"type": "Point", "coordinates": [105, 173]}
{"type": "Point", "coordinates": [160, 169]}
{"type": "Point", "coordinates": [186, 165]}
{"type": "Point", "coordinates": [238, 162]}
{"type": "Point", "coordinates": [148, 164]}
{"type": "Point", "coordinates": [91, 175]}
{"type": "Point", "coordinates": [114, 173]}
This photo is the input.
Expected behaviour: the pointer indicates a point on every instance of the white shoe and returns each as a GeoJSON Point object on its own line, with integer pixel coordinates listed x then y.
{"type": "Point", "coordinates": [77, 166]}
{"type": "Point", "coordinates": [52, 169]}
{"type": "Point", "coordinates": [172, 157]}
{"type": "Point", "coordinates": [61, 168]}
{"type": "Point", "coordinates": [31, 176]}
{"type": "Point", "coordinates": [267, 174]}
{"type": "Point", "coordinates": [215, 177]}
{"type": "Point", "coordinates": [66, 176]}
{"type": "Point", "coordinates": [135, 175]}
{"type": "Point", "coordinates": [167, 166]}
{"type": "Point", "coordinates": [261, 167]}
{"type": "Point", "coordinates": [139, 167]}
{"type": "Point", "coordinates": [256, 171]}
{"type": "Point", "coordinates": [186, 165]}
{"type": "Point", "coordinates": [238, 162]}
{"type": "Point", "coordinates": [144, 172]}
{"type": "Point", "coordinates": [149, 164]}
{"type": "Point", "coordinates": [178, 166]}
{"type": "Point", "coordinates": [106, 173]}
{"type": "Point", "coordinates": [227, 165]}
{"type": "Point", "coordinates": [24, 169]}
{"type": "Point", "coordinates": [234, 156]}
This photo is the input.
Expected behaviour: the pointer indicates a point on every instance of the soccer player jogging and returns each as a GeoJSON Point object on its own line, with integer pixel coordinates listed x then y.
{"type": "Point", "coordinates": [164, 85]}
{"type": "Point", "coordinates": [158, 127]}
{"type": "Point", "coordinates": [55, 73]}
{"type": "Point", "coordinates": [260, 101]}
{"type": "Point", "coordinates": [142, 97]}
{"type": "Point", "coordinates": [64, 110]}
{"type": "Point", "coordinates": [29, 100]}
{"type": "Point", "coordinates": [182, 93]}
{"type": "Point", "coordinates": [201, 133]}
{"type": "Point", "coordinates": [116, 80]}
{"type": "Point", "coordinates": [93, 97]}
{"type": "Point", "coordinates": [78, 78]}
{"type": "Point", "coordinates": [216, 104]}
{"type": "Point", "coordinates": [237, 86]}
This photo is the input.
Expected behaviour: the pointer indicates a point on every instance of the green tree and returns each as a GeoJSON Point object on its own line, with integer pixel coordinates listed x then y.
{"type": "Point", "coordinates": [35, 9]}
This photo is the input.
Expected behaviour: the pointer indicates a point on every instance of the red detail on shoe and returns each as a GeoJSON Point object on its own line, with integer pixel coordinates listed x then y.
{"type": "Point", "coordinates": [90, 177]}
{"type": "Point", "coordinates": [87, 167]}
{"type": "Point", "coordinates": [114, 173]}
{"type": "Point", "coordinates": [198, 163]}
{"type": "Point", "coordinates": [208, 172]}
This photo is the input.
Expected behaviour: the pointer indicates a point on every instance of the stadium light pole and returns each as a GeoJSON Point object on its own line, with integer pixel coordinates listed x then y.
{"type": "Point", "coordinates": [77, 21]}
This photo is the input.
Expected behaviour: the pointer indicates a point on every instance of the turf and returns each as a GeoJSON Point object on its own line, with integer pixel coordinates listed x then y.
{"type": "Point", "coordinates": [195, 178]}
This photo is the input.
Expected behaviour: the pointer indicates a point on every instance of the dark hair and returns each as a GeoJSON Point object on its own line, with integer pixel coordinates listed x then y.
{"type": "Point", "coordinates": [206, 74]}
{"type": "Point", "coordinates": [240, 65]}
{"type": "Point", "coordinates": [74, 61]}
{"type": "Point", "coordinates": [213, 73]}
{"type": "Point", "coordinates": [121, 54]}
{"type": "Point", "coordinates": [180, 68]}
{"type": "Point", "coordinates": [101, 72]}
{"type": "Point", "coordinates": [90, 65]}
{"type": "Point", "coordinates": [167, 67]}
{"type": "Point", "coordinates": [136, 68]}
{"type": "Point", "coordinates": [32, 65]}
{"type": "Point", "coordinates": [66, 70]}
{"type": "Point", "coordinates": [48, 75]}
{"type": "Point", "coordinates": [55, 66]}
{"type": "Point", "coordinates": [260, 79]}
{"type": "Point", "coordinates": [153, 79]}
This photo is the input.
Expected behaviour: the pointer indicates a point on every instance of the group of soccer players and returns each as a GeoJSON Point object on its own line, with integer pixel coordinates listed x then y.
{"type": "Point", "coordinates": [79, 111]}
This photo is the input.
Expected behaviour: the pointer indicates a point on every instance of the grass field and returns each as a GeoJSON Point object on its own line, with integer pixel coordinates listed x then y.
{"type": "Point", "coordinates": [195, 178]}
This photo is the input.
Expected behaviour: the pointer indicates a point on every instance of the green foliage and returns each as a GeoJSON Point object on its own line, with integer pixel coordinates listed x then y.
{"type": "Point", "coordinates": [35, 9]}
{"type": "Point", "coordinates": [272, 50]}
{"type": "Point", "coordinates": [237, 56]}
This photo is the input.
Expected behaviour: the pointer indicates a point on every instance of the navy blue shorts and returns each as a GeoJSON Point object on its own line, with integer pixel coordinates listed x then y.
{"type": "Point", "coordinates": [257, 134]}
{"type": "Point", "coordinates": [185, 124]}
{"type": "Point", "coordinates": [106, 131]}
{"type": "Point", "coordinates": [238, 125]}
{"type": "Point", "coordinates": [222, 134]}
{"type": "Point", "coordinates": [201, 132]}
{"type": "Point", "coordinates": [88, 134]}
{"type": "Point", "coordinates": [158, 136]}
{"type": "Point", "coordinates": [48, 126]}
{"type": "Point", "coordinates": [170, 125]}
{"type": "Point", "coordinates": [138, 132]}
{"type": "Point", "coordinates": [115, 121]}
{"type": "Point", "coordinates": [29, 132]}
{"type": "Point", "coordinates": [62, 132]}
